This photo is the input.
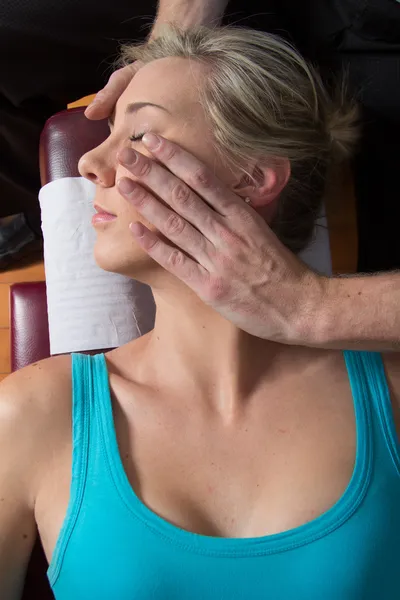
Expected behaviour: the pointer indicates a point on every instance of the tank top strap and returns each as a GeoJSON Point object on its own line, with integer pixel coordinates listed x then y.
{"type": "Point", "coordinates": [92, 399]}
{"type": "Point", "coordinates": [367, 374]}
{"type": "Point", "coordinates": [104, 409]}
{"type": "Point", "coordinates": [83, 369]}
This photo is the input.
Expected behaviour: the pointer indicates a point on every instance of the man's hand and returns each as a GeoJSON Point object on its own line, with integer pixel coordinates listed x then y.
{"type": "Point", "coordinates": [105, 100]}
{"type": "Point", "coordinates": [185, 14]}
{"type": "Point", "coordinates": [221, 248]}
{"type": "Point", "coordinates": [225, 252]}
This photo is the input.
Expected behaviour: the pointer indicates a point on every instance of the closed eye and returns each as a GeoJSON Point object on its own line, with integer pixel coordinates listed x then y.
{"type": "Point", "coordinates": [136, 138]}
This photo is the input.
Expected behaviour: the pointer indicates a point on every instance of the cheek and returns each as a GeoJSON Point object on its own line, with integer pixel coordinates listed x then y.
{"type": "Point", "coordinates": [115, 248]}
{"type": "Point", "coordinates": [126, 214]}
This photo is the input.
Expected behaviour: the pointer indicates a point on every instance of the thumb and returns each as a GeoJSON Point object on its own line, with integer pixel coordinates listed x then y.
{"type": "Point", "coordinates": [105, 100]}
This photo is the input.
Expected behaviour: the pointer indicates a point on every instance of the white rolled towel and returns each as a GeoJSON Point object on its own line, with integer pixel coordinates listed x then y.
{"type": "Point", "coordinates": [88, 308]}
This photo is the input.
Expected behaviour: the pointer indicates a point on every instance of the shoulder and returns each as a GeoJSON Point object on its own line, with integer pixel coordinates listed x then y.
{"type": "Point", "coordinates": [35, 414]}
{"type": "Point", "coordinates": [39, 388]}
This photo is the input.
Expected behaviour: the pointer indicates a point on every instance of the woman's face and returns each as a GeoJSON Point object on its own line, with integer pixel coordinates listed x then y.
{"type": "Point", "coordinates": [172, 84]}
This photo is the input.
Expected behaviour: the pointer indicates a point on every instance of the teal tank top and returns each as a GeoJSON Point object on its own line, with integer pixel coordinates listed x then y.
{"type": "Point", "coordinates": [112, 547]}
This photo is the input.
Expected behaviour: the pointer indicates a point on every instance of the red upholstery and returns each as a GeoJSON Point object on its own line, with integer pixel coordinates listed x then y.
{"type": "Point", "coordinates": [65, 138]}
{"type": "Point", "coordinates": [29, 326]}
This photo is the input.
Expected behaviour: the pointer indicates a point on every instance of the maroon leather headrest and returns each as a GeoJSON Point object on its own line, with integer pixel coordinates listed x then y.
{"type": "Point", "coordinates": [29, 324]}
{"type": "Point", "coordinates": [65, 138]}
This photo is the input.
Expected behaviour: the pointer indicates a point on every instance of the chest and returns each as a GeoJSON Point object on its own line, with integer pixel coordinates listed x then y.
{"type": "Point", "coordinates": [141, 564]}
{"type": "Point", "coordinates": [283, 465]}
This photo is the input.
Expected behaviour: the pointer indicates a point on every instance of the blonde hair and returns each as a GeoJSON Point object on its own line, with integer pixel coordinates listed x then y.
{"type": "Point", "coordinates": [264, 100]}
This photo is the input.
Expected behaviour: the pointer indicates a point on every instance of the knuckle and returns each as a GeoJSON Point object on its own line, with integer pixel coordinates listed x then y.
{"type": "Point", "coordinates": [212, 222]}
{"type": "Point", "coordinates": [225, 262]}
{"type": "Point", "coordinates": [181, 194]}
{"type": "Point", "coordinates": [134, 67]}
{"type": "Point", "coordinates": [140, 196]}
{"type": "Point", "coordinates": [102, 94]}
{"type": "Point", "coordinates": [174, 225]}
{"type": "Point", "coordinates": [152, 244]}
{"type": "Point", "coordinates": [229, 237]}
{"type": "Point", "coordinates": [175, 259]}
{"type": "Point", "coordinates": [168, 150]}
{"type": "Point", "coordinates": [217, 289]}
{"type": "Point", "coordinates": [115, 82]}
{"type": "Point", "coordinates": [128, 72]}
{"type": "Point", "coordinates": [201, 177]}
{"type": "Point", "coordinates": [115, 76]}
{"type": "Point", "coordinates": [143, 168]}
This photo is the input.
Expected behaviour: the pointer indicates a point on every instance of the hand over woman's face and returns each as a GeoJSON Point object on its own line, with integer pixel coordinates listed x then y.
{"type": "Point", "coordinates": [164, 98]}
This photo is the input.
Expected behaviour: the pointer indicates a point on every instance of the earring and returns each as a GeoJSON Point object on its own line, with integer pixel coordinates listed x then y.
{"type": "Point", "coordinates": [247, 200]}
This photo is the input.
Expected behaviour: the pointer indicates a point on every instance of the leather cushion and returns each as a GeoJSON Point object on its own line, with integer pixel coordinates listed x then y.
{"type": "Point", "coordinates": [29, 324]}
{"type": "Point", "coordinates": [65, 138]}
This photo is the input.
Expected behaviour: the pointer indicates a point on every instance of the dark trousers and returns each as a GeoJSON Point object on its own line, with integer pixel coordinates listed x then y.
{"type": "Point", "coordinates": [55, 51]}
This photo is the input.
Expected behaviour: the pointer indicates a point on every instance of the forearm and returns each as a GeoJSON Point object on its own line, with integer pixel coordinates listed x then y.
{"type": "Point", "coordinates": [188, 13]}
{"type": "Point", "coordinates": [360, 312]}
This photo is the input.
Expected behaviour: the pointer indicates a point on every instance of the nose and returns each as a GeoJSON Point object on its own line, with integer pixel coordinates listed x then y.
{"type": "Point", "coordinates": [96, 166]}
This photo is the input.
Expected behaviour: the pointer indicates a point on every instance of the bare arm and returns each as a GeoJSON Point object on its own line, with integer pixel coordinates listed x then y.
{"type": "Point", "coordinates": [17, 525]}
{"type": "Point", "coordinates": [358, 312]}
{"type": "Point", "coordinates": [35, 423]}
{"type": "Point", "coordinates": [188, 13]}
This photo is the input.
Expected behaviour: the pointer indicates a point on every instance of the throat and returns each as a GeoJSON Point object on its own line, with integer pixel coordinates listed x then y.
{"type": "Point", "coordinates": [208, 357]}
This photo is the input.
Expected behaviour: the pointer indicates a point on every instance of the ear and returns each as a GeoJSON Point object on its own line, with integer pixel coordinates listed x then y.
{"type": "Point", "coordinates": [263, 184]}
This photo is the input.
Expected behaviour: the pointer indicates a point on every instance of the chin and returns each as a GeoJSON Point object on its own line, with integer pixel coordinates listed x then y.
{"type": "Point", "coordinates": [124, 257]}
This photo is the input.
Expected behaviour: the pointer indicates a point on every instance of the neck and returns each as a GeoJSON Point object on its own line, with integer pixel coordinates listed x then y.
{"type": "Point", "coordinates": [197, 352]}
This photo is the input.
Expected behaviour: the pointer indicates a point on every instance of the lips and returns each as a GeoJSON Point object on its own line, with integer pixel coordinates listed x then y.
{"type": "Point", "coordinates": [102, 211]}
{"type": "Point", "coordinates": [102, 216]}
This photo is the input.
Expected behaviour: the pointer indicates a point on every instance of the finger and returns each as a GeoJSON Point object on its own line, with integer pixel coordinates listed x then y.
{"type": "Point", "coordinates": [173, 191]}
{"type": "Point", "coordinates": [170, 224]}
{"type": "Point", "coordinates": [171, 259]}
{"type": "Point", "coordinates": [105, 100]}
{"type": "Point", "coordinates": [195, 174]}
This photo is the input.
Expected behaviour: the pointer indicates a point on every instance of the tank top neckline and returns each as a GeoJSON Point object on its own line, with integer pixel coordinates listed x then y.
{"type": "Point", "coordinates": [304, 534]}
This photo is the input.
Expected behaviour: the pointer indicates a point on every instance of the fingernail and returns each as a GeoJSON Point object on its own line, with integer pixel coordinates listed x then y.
{"type": "Point", "coordinates": [90, 106]}
{"type": "Point", "coordinates": [137, 229]}
{"type": "Point", "coordinates": [96, 99]}
{"type": "Point", "coordinates": [128, 156]}
{"type": "Point", "coordinates": [126, 186]}
{"type": "Point", "coordinates": [151, 140]}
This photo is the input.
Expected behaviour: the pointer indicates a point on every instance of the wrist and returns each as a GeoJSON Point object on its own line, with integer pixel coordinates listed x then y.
{"type": "Point", "coordinates": [359, 312]}
{"type": "Point", "coordinates": [188, 13]}
{"type": "Point", "coordinates": [313, 318]}
{"type": "Point", "coordinates": [326, 319]}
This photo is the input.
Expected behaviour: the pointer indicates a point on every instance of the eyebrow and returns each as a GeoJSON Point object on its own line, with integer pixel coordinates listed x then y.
{"type": "Point", "coordinates": [133, 108]}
